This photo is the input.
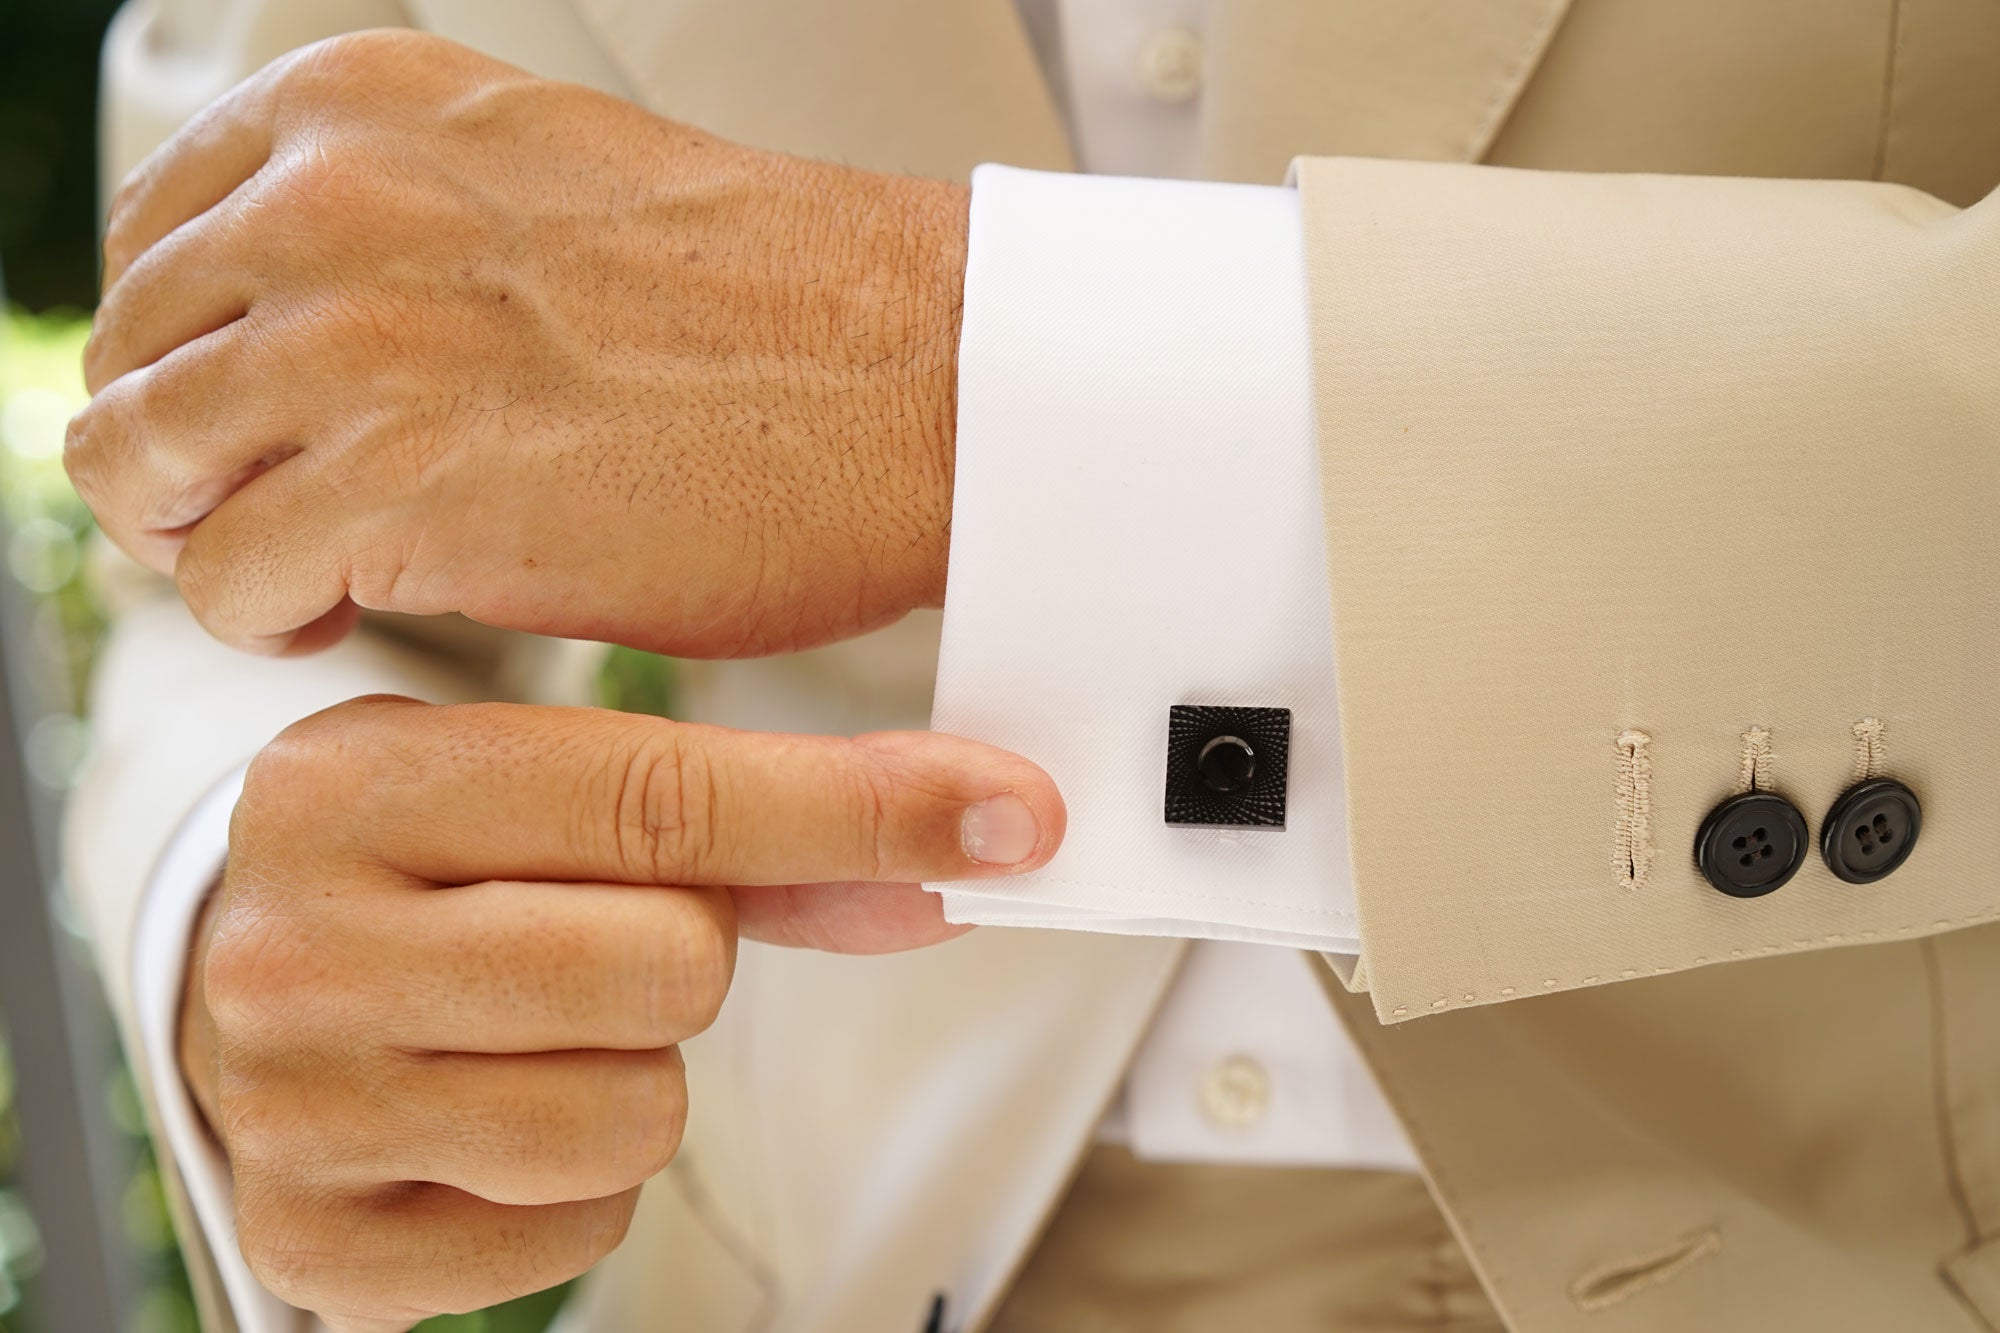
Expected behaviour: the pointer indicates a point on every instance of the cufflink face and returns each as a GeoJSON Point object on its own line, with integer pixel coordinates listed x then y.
{"type": "Point", "coordinates": [1226, 766]}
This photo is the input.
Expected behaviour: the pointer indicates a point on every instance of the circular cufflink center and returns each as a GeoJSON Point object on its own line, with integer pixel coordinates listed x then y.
{"type": "Point", "coordinates": [1227, 764]}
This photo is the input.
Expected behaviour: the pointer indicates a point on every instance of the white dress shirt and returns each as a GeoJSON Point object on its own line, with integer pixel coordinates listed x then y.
{"type": "Point", "coordinates": [1136, 524]}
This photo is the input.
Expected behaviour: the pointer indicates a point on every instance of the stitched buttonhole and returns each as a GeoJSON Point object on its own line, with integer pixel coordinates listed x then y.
{"type": "Point", "coordinates": [1632, 832]}
{"type": "Point", "coordinates": [1755, 773]}
{"type": "Point", "coordinates": [1868, 749]}
{"type": "Point", "coordinates": [1608, 1284]}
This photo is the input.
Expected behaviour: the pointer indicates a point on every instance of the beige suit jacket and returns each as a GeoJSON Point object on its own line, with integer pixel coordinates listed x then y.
{"type": "Point", "coordinates": [1619, 468]}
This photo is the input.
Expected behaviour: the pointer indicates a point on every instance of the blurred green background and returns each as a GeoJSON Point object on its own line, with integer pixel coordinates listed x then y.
{"type": "Point", "coordinates": [48, 92]}
{"type": "Point", "coordinates": [48, 264]}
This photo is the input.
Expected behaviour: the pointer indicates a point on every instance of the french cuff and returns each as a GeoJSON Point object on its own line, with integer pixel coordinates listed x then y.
{"type": "Point", "coordinates": [163, 934]}
{"type": "Point", "coordinates": [1136, 527]}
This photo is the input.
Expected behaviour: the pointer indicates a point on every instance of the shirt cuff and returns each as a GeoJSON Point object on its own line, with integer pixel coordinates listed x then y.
{"type": "Point", "coordinates": [174, 896]}
{"type": "Point", "coordinates": [1137, 524]}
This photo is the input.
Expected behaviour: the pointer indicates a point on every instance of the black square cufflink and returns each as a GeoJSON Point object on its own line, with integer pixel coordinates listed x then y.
{"type": "Point", "coordinates": [1226, 766]}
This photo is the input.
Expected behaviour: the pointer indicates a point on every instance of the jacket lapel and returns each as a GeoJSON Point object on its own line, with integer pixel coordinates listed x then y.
{"type": "Point", "coordinates": [1424, 79]}
{"type": "Point", "coordinates": [1427, 79]}
{"type": "Point", "coordinates": [915, 86]}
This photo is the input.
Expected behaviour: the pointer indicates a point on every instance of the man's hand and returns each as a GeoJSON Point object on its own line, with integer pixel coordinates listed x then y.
{"type": "Point", "coordinates": [400, 326]}
{"type": "Point", "coordinates": [433, 1013]}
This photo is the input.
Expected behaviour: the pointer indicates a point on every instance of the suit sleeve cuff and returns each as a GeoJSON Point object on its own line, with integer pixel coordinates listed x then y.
{"type": "Point", "coordinates": [1136, 525]}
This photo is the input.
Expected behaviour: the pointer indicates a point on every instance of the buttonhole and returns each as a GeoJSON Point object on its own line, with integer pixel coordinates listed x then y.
{"type": "Point", "coordinates": [1608, 1284]}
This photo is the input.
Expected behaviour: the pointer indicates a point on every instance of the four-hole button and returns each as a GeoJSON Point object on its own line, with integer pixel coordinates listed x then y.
{"type": "Point", "coordinates": [1751, 844]}
{"type": "Point", "coordinates": [1870, 830]}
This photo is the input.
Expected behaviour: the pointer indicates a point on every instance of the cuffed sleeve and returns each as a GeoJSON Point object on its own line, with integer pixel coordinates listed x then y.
{"type": "Point", "coordinates": [1136, 525]}
{"type": "Point", "coordinates": [1642, 491]}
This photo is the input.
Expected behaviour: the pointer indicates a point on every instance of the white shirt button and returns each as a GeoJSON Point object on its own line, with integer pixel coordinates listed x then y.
{"type": "Point", "coordinates": [1170, 65]}
{"type": "Point", "coordinates": [1235, 1093]}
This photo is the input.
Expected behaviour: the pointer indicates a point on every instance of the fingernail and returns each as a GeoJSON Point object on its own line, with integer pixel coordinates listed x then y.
{"type": "Point", "coordinates": [1000, 831]}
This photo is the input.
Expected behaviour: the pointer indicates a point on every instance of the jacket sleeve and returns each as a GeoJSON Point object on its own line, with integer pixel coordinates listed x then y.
{"type": "Point", "coordinates": [1642, 492]}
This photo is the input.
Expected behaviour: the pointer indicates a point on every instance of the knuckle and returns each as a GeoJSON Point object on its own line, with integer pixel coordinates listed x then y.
{"type": "Point", "coordinates": [261, 1136]}
{"type": "Point", "coordinates": [258, 979]}
{"type": "Point", "coordinates": [619, 1133]}
{"type": "Point", "coordinates": [315, 189]}
{"type": "Point", "coordinates": [290, 1245]}
{"type": "Point", "coordinates": [121, 431]}
{"type": "Point", "coordinates": [334, 1270]}
{"type": "Point", "coordinates": [83, 449]}
{"type": "Point", "coordinates": [295, 1273]}
{"type": "Point", "coordinates": [201, 575]}
{"type": "Point", "coordinates": [665, 801]}
{"type": "Point", "coordinates": [382, 576]}
{"type": "Point", "coordinates": [317, 777]}
{"type": "Point", "coordinates": [119, 214]}
{"type": "Point", "coordinates": [603, 1230]}
{"type": "Point", "coordinates": [336, 734]}
{"type": "Point", "coordinates": [97, 347]}
{"type": "Point", "coordinates": [687, 976]}
{"type": "Point", "coordinates": [706, 964]}
{"type": "Point", "coordinates": [339, 59]}
{"type": "Point", "coordinates": [288, 771]}
{"type": "Point", "coordinates": [874, 791]}
{"type": "Point", "coordinates": [120, 243]}
{"type": "Point", "coordinates": [662, 1118]}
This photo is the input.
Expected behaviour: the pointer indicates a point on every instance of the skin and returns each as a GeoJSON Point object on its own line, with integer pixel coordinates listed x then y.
{"type": "Point", "coordinates": [437, 1032]}
{"type": "Point", "coordinates": [395, 326]}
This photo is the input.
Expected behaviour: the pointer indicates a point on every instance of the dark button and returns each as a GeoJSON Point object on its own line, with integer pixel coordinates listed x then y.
{"type": "Point", "coordinates": [1751, 844]}
{"type": "Point", "coordinates": [1871, 830]}
{"type": "Point", "coordinates": [1226, 765]}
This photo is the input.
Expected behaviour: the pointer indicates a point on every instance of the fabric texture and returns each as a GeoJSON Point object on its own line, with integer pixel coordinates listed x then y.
{"type": "Point", "coordinates": [1702, 411]}
{"type": "Point", "coordinates": [1135, 525]}
{"type": "Point", "coordinates": [1310, 1101]}
{"type": "Point", "coordinates": [1142, 1248]}
{"type": "Point", "coordinates": [1784, 1144]}
{"type": "Point", "coordinates": [1799, 1134]}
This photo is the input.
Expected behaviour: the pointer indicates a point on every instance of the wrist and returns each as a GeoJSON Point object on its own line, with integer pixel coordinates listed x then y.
{"type": "Point", "coordinates": [908, 290]}
{"type": "Point", "coordinates": [941, 220]}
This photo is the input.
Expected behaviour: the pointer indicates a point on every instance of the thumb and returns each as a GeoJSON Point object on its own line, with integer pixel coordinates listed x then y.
{"type": "Point", "coordinates": [1013, 828]}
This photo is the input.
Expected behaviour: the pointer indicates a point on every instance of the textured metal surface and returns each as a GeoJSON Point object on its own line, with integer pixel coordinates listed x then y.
{"type": "Point", "coordinates": [1190, 800]}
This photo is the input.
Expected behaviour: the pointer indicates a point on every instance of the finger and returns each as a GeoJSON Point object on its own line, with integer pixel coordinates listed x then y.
{"type": "Point", "coordinates": [267, 571]}
{"type": "Point", "coordinates": [400, 1255]}
{"type": "Point", "coordinates": [505, 791]}
{"type": "Point", "coordinates": [322, 633]}
{"type": "Point", "coordinates": [552, 1127]}
{"type": "Point", "coordinates": [161, 448]}
{"type": "Point", "coordinates": [340, 1324]}
{"type": "Point", "coordinates": [195, 280]}
{"type": "Point", "coordinates": [223, 146]}
{"type": "Point", "coordinates": [505, 967]}
{"type": "Point", "coordinates": [844, 918]}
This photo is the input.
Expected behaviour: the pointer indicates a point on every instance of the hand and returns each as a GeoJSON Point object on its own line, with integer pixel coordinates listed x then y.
{"type": "Point", "coordinates": [398, 326]}
{"type": "Point", "coordinates": [433, 1017]}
